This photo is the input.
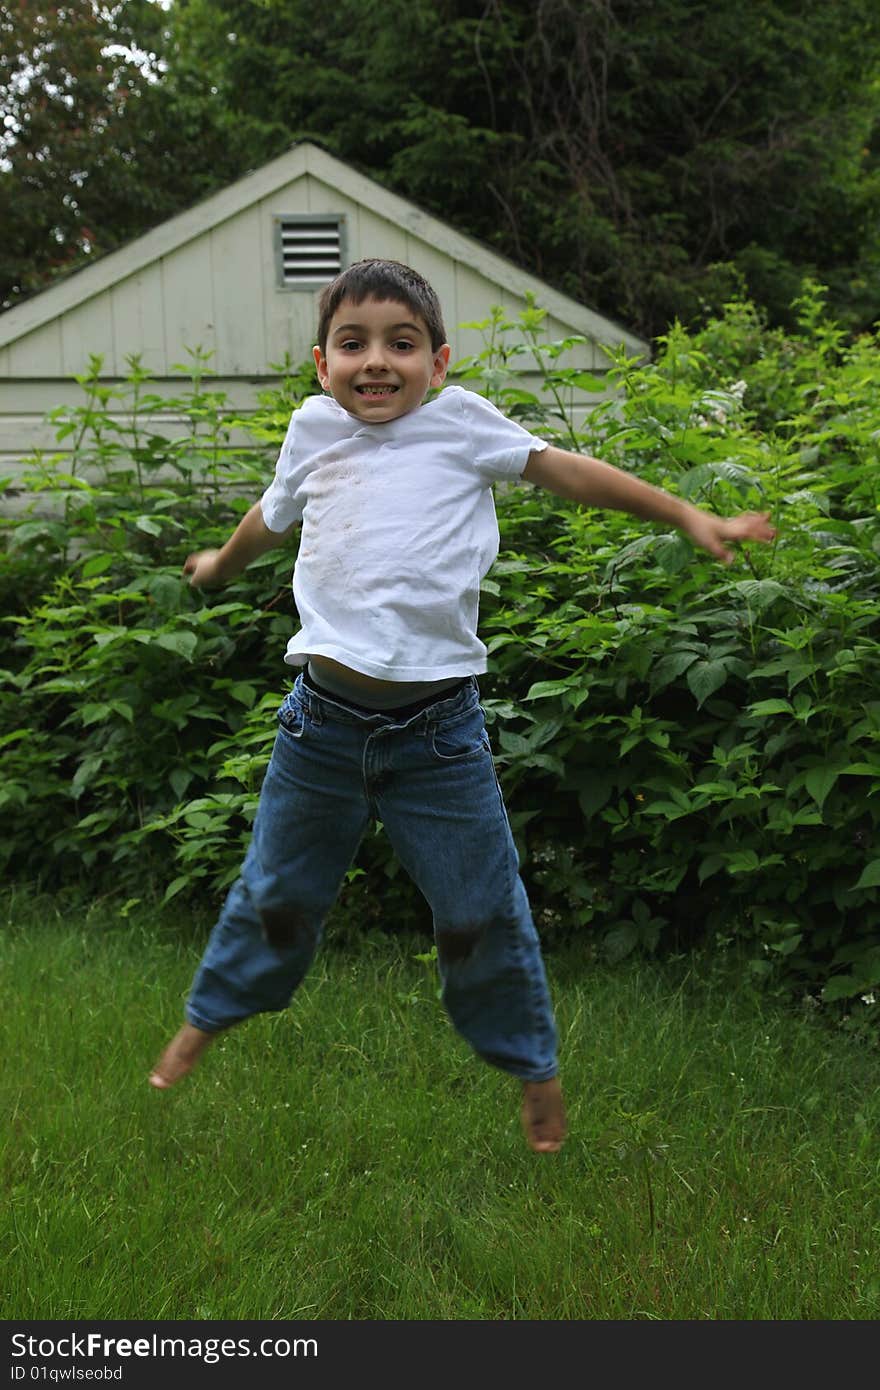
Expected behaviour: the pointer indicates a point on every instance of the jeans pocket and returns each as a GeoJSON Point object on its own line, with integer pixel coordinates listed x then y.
{"type": "Point", "coordinates": [458, 739]}
{"type": "Point", "coordinates": [291, 716]}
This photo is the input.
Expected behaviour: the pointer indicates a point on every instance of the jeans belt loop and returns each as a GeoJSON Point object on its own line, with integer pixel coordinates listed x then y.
{"type": "Point", "coordinates": [313, 706]}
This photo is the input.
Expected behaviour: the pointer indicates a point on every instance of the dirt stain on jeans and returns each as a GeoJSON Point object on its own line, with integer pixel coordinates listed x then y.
{"type": "Point", "coordinates": [284, 927]}
{"type": "Point", "coordinates": [455, 946]}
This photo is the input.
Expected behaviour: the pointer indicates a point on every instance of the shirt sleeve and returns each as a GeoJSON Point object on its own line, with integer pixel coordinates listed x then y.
{"type": "Point", "coordinates": [500, 447]}
{"type": "Point", "coordinates": [280, 505]}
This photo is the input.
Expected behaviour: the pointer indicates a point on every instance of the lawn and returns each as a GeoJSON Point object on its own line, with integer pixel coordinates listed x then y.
{"type": "Point", "coordinates": [350, 1158]}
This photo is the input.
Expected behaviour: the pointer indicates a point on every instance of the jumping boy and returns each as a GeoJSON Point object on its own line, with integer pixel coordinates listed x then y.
{"type": "Point", "coordinates": [394, 497]}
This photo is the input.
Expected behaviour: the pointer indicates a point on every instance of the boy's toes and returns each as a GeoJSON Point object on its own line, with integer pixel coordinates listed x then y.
{"type": "Point", "coordinates": [543, 1115]}
{"type": "Point", "coordinates": [180, 1056]}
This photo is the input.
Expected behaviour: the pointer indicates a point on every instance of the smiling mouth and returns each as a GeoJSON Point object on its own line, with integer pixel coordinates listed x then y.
{"type": "Point", "coordinates": [376, 391]}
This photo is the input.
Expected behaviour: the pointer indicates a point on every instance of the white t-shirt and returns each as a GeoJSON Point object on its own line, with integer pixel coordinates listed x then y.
{"type": "Point", "coordinates": [398, 530]}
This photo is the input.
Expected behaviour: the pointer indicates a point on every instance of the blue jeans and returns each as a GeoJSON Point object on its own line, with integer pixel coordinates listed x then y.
{"type": "Point", "coordinates": [429, 778]}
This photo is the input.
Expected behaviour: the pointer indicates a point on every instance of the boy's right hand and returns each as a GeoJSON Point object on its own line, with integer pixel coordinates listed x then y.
{"type": "Point", "coordinates": [203, 569]}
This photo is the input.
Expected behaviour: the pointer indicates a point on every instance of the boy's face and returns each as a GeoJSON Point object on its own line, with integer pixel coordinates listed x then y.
{"type": "Point", "coordinates": [379, 363]}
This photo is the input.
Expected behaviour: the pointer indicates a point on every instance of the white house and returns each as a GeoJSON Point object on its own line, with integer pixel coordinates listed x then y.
{"type": "Point", "coordinates": [238, 275]}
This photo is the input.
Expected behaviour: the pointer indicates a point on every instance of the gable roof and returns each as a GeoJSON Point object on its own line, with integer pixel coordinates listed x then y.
{"type": "Point", "coordinates": [302, 158]}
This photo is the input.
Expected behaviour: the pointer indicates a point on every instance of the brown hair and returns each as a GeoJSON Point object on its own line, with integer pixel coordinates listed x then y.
{"type": "Point", "coordinates": [382, 280]}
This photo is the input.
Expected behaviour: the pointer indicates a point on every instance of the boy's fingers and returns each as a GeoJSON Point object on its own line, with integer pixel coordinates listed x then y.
{"type": "Point", "coordinates": [756, 525]}
{"type": "Point", "coordinates": [751, 526]}
{"type": "Point", "coordinates": [190, 570]}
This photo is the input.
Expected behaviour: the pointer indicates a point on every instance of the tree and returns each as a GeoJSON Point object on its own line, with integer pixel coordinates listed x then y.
{"type": "Point", "coordinates": [92, 150]}
{"type": "Point", "coordinates": [693, 139]}
{"type": "Point", "coordinates": [643, 157]}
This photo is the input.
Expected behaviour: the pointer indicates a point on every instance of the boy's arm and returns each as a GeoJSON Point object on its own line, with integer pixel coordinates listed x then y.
{"type": "Point", "coordinates": [595, 484]}
{"type": "Point", "coordinates": [250, 539]}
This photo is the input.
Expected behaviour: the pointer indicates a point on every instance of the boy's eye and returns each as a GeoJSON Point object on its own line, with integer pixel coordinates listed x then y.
{"type": "Point", "coordinates": [350, 345]}
{"type": "Point", "coordinates": [402, 345]}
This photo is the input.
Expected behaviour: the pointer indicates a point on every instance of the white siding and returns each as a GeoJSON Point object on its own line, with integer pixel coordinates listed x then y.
{"type": "Point", "coordinates": [25, 431]}
{"type": "Point", "coordinates": [238, 293]}
{"type": "Point", "coordinates": [84, 330]}
{"type": "Point", "coordinates": [188, 303]}
{"type": "Point", "coordinates": [288, 315]}
{"type": "Point", "coordinates": [138, 321]}
{"type": "Point", "coordinates": [38, 354]}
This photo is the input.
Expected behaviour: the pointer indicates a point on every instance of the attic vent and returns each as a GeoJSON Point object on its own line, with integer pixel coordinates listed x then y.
{"type": "Point", "coordinates": [309, 250]}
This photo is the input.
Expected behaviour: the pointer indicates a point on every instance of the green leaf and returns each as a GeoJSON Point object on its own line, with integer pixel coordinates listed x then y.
{"type": "Point", "coordinates": [668, 667]}
{"type": "Point", "coordinates": [744, 861]}
{"type": "Point", "coordinates": [244, 693]}
{"type": "Point", "coordinates": [102, 639]}
{"type": "Point", "coordinates": [94, 713]}
{"type": "Point", "coordinates": [841, 987]}
{"type": "Point", "coordinates": [585, 381]}
{"type": "Point", "coordinates": [870, 876]}
{"type": "Point", "coordinates": [180, 778]}
{"type": "Point", "coordinates": [14, 737]}
{"type": "Point", "coordinates": [595, 793]}
{"type": "Point", "coordinates": [541, 690]}
{"type": "Point", "coordinates": [620, 942]}
{"type": "Point", "coordinates": [665, 808]}
{"type": "Point", "coordinates": [789, 944]}
{"type": "Point", "coordinates": [181, 643]}
{"type": "Point", "coordinates": [85, 772]}
{"type": "Point", "coordinates": [819, 782]}
{"type": "Point", "coordinates": [705, 677]}
{"type": "Point", "coordinates": [96, 564]}
{"type": "Point", "coordinates": [547, 761]}
{"type": "Point", "coordinates": [759, 593]}
{"type": "Point", "coordinates": [673, 553]}
{"type": "Point", "coordinates": [770, 707]}
{"type": "Point", "coordinates": [175, 886]}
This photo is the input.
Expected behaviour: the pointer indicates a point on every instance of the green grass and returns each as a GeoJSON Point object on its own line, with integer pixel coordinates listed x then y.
{"type": "Point", "coordinates": [350, 1159]}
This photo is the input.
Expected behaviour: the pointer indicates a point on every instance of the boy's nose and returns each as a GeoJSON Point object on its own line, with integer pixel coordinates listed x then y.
{"type": "Point", "coordinates": [375, 358]}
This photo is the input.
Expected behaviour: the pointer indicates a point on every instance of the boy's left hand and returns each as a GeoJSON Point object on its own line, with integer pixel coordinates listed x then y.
{"type": "Point", "coordinates": [710, 532]}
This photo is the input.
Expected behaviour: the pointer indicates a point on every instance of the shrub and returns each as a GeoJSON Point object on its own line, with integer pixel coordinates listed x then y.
{"type": "Point", "coordinates": [688, 752]}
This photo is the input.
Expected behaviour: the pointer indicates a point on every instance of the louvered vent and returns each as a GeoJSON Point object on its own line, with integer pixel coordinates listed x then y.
{"type": "Point", "coordinates": [309, 250]}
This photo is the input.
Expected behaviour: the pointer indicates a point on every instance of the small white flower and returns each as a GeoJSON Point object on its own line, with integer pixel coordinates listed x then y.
{"type": "Point", "coordinates": [738, 389]}
{"type": "Point", "coordinates": [869, 998]}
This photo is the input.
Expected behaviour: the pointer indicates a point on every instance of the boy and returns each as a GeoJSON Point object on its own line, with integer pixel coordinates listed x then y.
{"type": "Point", "coordinates": [398, 529]}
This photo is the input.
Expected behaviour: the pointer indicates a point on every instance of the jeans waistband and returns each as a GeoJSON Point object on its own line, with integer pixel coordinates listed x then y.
{"type": "Point", "coordinates": [324, 706]}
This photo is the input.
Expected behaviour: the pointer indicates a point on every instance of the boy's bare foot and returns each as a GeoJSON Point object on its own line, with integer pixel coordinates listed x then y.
{"type": "Point", "coordinates": [543, 1115]}
{"type": "Point", "coordinates": [180, 1056]}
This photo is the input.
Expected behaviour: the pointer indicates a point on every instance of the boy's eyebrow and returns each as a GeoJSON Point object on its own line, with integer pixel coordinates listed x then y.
{"type": "Point", "coordinates": [392, 328]}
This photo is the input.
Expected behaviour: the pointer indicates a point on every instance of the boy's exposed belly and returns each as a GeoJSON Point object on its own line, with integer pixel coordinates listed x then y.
{"type": "Point", "coordinates": [349, 676]}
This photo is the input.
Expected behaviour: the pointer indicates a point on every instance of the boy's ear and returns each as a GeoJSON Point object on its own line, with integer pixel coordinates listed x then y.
{"type": "Point", "coordinates": [441, 365]}
{"type": "Point", "coordinates": [321, 365]}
